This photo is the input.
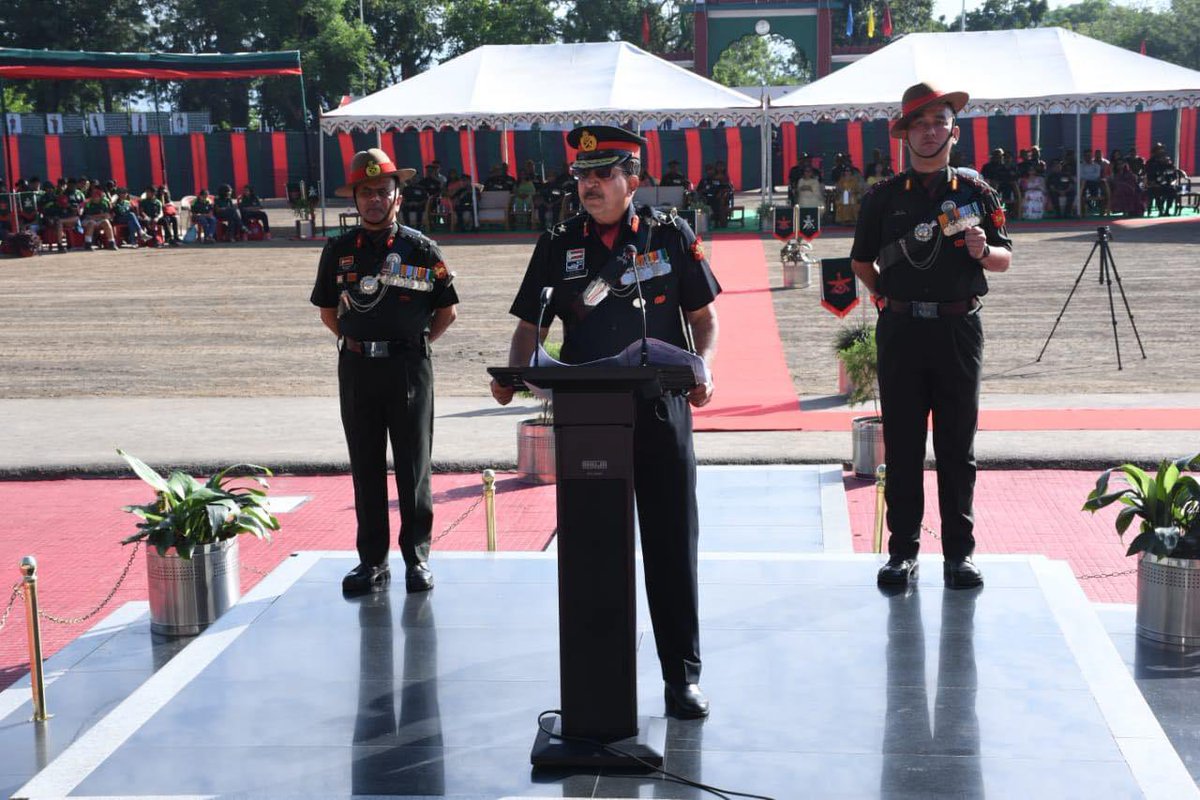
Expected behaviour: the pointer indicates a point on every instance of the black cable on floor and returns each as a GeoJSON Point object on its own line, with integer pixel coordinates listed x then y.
{"type": "Point", "coordinates": [723, 793]}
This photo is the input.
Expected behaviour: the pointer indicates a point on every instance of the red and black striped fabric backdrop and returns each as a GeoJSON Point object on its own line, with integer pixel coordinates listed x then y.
{"type": "Point", "coordinates": [270, 161]}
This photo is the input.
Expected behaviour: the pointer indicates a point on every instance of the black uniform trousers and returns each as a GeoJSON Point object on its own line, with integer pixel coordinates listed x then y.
{"type": "Point", "coordinates": [664, 465]}
{"type": "Point", "coordinates": [382, 399]}
{"type": "Point", "coordinates": [930, 365]}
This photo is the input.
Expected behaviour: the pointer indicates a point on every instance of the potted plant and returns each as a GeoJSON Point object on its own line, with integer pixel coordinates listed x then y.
{"type": "Point", "coordinates": [191, 530]}
{"type": "Point", "coordinates": [535, 438]}
{"type": "Point", "coordinates": [1167, 506]}
{"type": "Point", "coordinates": [304, 206]}
{"type": "Point", "coordinates": [797, 261]}
{"type": "Point", "coordinates": [764, 213]}
{"type": "Point", "coordinates": [857, 356]}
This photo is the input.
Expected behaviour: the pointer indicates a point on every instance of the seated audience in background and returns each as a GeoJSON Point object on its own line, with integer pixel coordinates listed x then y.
{"type": "Point", "coordinates": [1033, 156]}
{"type": "Point", "coordinates": [646, 179]}
{"type": "Point", "coordinates": [877, 157]}
{"type": "Point", "coordinates": [1127, 196]}
{"type": "Point", "coordinates": [97, 213]}
{"type": "Point", "coordinates": [225, 209]}
{"type": "Point", "coordinates": [498, 179]}
{"type": "Point", "coordinates": [204, 220]}
{"type": "Point", "coordinates": [999, 173]}
{"type": "Point", "coordinates": [1033, 193]}
{"type": "Point", "coordinates": [413, 198]}
{"type": "Point", "coordinates": [435, 169]}
{"type": "Point", "coordinates": [252, 209]}
{"type": "Point", "coordinates": [1105, 165]}
{"type": "Point", "coordinates": [1162, 185]}
{"type": "Point", "coordinates": [673, 177]}
{"type": "Point", "coordinates": [28, 213]}
{"type": "Point", "coordinates": [7, 225]}
{"type": "Point", "coordinates": [875, 173]}
{"type": "Point", "coordinates": [525, 191]}
{"type": "Point", "coordinates": [712, 193]}
{"type": "Point", "coordinates": [840, 161]}
{"type": "Point", "coordinates": [465, 202]}
{"type": "Point", "coordinates": [150, 214]}
{"type": "Point", "coordinates": [125, 213]}
{"type": "Point", "coordinates": [1095, 191]}
{"type": "Point", "coordinates": [848, 192]}
{"type": "Point", "coordinates": [170, 216]}
{"type": "Point", "coordinates": [1060, 188]}
{"type": "Point", "coordinates": [809, 192]}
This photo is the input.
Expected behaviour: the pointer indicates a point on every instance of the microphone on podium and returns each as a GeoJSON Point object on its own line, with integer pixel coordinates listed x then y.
{"type": "Point", "coordinates": [631, 256]}
{"type": "Point", "coordinates": [547, 294]}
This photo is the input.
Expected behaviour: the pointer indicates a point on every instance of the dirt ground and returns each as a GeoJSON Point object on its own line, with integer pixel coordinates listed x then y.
{"type": "Point", "coordinates": [226, 320]}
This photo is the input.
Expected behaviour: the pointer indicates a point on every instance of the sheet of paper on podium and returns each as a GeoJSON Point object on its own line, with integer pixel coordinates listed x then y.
{"type": "Point", "coordinates": [659, 353]}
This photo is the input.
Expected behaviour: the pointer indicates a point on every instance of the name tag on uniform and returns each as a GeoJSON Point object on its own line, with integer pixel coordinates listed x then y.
{"type": "Point", "coordinates": [649, 265]}
{"type": "Point", "coordinates": [575, 266]}
{"type": "Point", "coordinates": [959, 219]}
{"type": "Point", "coordinates": [346, 261]}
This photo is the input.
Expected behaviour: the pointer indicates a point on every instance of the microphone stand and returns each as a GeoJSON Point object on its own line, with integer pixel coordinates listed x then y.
{"type": "Point", "coordinates": [547, 293]}
{"type": "Point", "coordinates": [631, 255]}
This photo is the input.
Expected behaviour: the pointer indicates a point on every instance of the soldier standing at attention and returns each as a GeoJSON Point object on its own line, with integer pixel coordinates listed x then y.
{"type": "Point", "coordinates": [677, 285]}
{"type": "Point", "coordinates": [385, 292]}
{"type": "Point", "coordinates": [923, 243]}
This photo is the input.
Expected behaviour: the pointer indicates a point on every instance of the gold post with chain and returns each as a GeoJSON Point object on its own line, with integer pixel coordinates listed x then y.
{"type": "Point", "coordinates": [37, 679]}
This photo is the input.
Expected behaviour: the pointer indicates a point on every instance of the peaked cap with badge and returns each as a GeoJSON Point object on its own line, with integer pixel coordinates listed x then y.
{"type": "Point", "coordinates": [373, 163]}
{"type": "Point", "coordinates": [604, 145]}
{"type": "Point", "coordinates": [920, 96]}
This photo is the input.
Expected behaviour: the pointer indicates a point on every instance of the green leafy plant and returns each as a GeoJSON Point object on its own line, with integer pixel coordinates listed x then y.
{"type": "Point", "coordinates": [186, 513]}
{"type": "Point", "coordinates": [1167, 503]}
{"type": "Point", "coordinates": [854, 346]}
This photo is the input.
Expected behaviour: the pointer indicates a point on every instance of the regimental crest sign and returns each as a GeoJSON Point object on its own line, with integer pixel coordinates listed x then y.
{"type": "Point", "coordinates": [809, 225]}
{"type": "Point", "coordinates": [785, 222]}
{"type": "Point", "coordinates": [839, 288]}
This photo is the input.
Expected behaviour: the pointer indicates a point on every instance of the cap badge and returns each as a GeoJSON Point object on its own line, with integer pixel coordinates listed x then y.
{"type": "Point", "coordinates": [587, 142]}
{"type": "Point", "coordinates": [372, 169]}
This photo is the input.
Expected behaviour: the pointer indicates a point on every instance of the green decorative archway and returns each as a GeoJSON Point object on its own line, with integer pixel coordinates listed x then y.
{"type": "Point", "coordinates": [723, 31]}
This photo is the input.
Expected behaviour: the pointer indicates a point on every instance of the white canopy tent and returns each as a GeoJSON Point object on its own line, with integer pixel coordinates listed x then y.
{"type": "Point", "coordinates": [501, 85]}
{"type": "Point", "coordinates": [1033, 71]}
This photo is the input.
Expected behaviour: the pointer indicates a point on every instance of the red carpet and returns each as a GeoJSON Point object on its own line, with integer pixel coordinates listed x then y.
{"type": "Point", "coordinates": [754, 390]}
{"type": "Point", "coordinates": [74, 527]}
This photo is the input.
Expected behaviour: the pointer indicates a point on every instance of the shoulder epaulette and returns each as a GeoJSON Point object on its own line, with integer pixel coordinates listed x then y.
{"type": "Point", "coordinates": [570, 222]}
{"type": "Point", "coordinates": [416, 237]}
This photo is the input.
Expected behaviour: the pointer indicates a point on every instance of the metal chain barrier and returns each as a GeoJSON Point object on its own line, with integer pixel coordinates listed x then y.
{"type": "Point", "coordinates": [1117, 574]}
{"type": "Point", "coordinates": [12, 598]}
{"type": "Point", "coordinates": [112, 593]}
{"type": "Point", "coordinates": [449, 528]}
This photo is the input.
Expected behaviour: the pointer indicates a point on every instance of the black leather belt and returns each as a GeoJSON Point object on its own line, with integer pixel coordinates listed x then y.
{"type": "Point", "coordinates": [922, 310]}
{"type": "Point", "coordinates": [383, 349]}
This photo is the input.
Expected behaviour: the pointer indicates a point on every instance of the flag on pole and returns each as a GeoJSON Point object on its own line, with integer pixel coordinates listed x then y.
{"type": "Point", "coordinates": [871, 22]}
{"type": "Point", "coordinates": [849, 20]}
{"type": "Point", "coordinates": [1142, 50]}
{"type": "Point", "coordinates": [887, 20]}
{"type": "Point", "coordinates": [645, 28]}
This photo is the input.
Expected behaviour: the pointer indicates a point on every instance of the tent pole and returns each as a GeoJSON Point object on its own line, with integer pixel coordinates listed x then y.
{"type": "Point", "coordinates": [474, 177]}
{"type": "Point", "coordinates": [304, 113]}
{"type": "Point", "coordinates": [1078, 182]}
{"type": "Point", "coordinates": [1037, 130]}
{"type": "Point", "coordinates": [764, 160]}
{"type": "Point", "coordinates": [11, 180]}
{"type": "Point", "coordinates": [1178, 132]}
{"type": "Point", "coordinates": [321, 156]}
{"type": "Point", "coordinates": [162, 145]}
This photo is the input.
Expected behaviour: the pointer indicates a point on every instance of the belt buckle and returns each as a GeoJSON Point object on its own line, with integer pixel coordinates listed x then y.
{"type": "Point", "coordinates": [375, 349]}
{"type": "Point", "coordinates": [922, 310]}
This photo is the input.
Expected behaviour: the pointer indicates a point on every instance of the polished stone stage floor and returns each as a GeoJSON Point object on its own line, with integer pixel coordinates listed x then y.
{"type": "Point", "coordinates": [822, 686]}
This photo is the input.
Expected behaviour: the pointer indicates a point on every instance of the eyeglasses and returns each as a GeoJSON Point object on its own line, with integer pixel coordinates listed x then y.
{"type": "Point", "coordinates": [366, 193]}
{"type": "Point", "coordinates": [599, 173]}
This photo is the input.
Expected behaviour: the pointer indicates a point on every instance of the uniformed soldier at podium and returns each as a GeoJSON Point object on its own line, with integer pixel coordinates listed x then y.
{"type": "Point", "coordinates": [678, 290]}
{"type": "Point", "coordinates": [385, 292]}
{"type": "Point", "coordinates": [933, 231]}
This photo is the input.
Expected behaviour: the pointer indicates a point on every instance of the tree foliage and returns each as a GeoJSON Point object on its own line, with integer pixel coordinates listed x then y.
{"type": "Point", "coordinates": [1003, 15]}
{"type": "Point", "coordinates": [472, 23]}
{"type": "Point", "coordinates": [757, 60]}
{"type": "Point", "coordinates": [908, 16]}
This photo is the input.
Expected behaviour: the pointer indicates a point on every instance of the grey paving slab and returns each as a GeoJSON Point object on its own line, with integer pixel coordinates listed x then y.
{"type": "Point", "coordinates": [817, 679]}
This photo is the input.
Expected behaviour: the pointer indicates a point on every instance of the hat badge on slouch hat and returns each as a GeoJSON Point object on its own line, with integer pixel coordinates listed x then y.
{"type": "Point", "coordinates": [920, 96]}
{"type": "Point", "coordinates": [369, 164]}
{"type": "Point", "coordinates": [587, 142]}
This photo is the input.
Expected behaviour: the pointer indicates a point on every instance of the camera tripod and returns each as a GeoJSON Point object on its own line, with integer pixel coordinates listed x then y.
{"type": "Point", "coordinates": [1108, 271]}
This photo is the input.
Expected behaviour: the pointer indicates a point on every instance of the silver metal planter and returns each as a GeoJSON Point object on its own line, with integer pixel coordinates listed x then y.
{"type": "Point", "coordinates": [1168, 601]}
{"type": "Point", "coordinates": [797, 274]}
{"type": "Point", "coordinates": [867, 438]}
{"type": "Point", "coordinates": [535, 452]}
{"type": "Point", "coordinates": [188, 595]}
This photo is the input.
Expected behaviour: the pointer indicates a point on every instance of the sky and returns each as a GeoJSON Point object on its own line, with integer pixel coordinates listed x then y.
{"type": "Point", "coordinates": [950, 9]}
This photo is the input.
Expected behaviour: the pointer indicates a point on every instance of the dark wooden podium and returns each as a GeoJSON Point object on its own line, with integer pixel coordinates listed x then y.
{"type": "Point", "coordinates": [594, 411]}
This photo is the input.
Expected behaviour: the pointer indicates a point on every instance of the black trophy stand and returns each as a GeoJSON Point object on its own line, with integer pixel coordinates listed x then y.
{"type": "Point", "coordinates": [594, 410]}
{"type": "Point", "coordinates": [1108, 271]}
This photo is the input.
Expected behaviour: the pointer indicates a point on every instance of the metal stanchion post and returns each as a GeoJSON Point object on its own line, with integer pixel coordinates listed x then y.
{"type": "Point", "coordinates": [36, 678]}
{"type": "Point", "coordinates": [880, 506]}
{"type": "Point", "coordinates": [489, 507]}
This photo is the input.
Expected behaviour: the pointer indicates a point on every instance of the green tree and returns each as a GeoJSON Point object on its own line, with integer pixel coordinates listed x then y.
{"type": "Point", "coordinates": [1168, 34]}
{"type": "Point", "coordinates": [621, 20]}
{"type": "Point", "coordinates": [114, 25]}
{"type": "Point", "coordinates": [209, 26]}
{"type": "Point", "coordinates": [1002, 15]}
{"type": "Point", "coordinates": [472, 23]}
{"type": "Point", "coordinates": [407, 38]}
{"type": "Point", "coordinates": [757, 60]}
